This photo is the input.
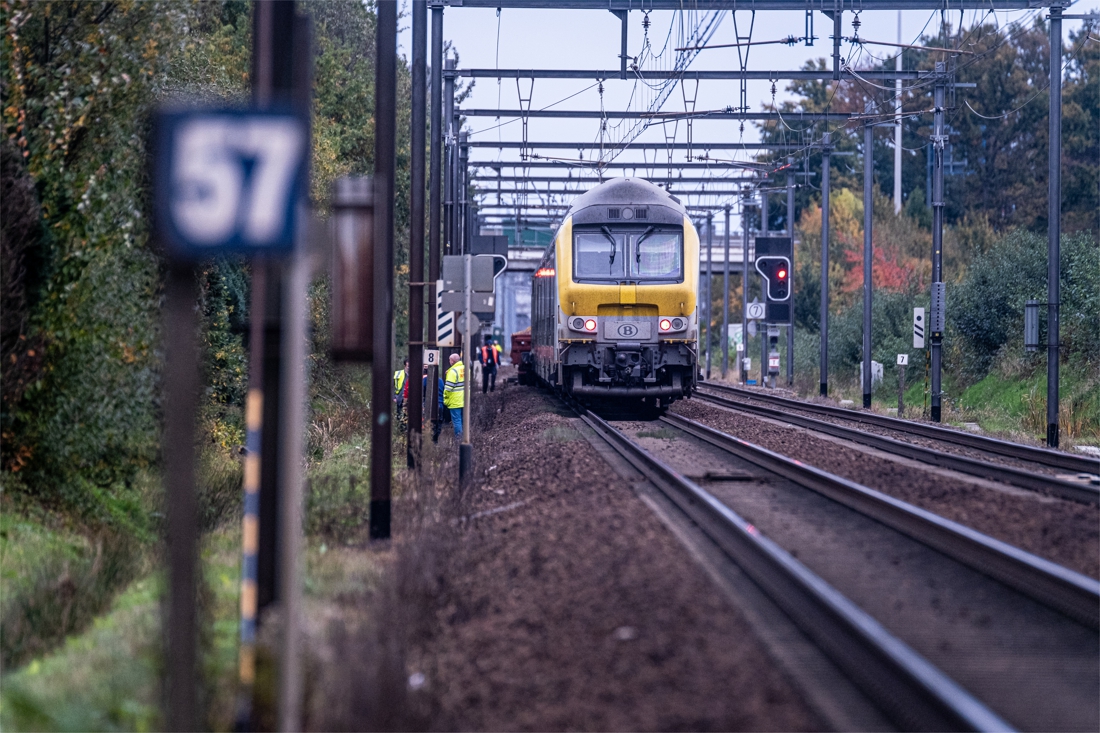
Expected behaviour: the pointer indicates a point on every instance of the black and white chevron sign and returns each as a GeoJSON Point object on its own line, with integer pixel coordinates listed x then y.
{"type": "Point", "coordinates": [444, 320]}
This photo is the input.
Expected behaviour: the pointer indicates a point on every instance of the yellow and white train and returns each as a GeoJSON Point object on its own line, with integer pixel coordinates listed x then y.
{"type": "Point", "coordinates": [614, 308]}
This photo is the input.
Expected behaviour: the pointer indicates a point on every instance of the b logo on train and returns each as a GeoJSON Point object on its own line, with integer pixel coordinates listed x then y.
{"type": "Point", "coordinates": [613, 308]}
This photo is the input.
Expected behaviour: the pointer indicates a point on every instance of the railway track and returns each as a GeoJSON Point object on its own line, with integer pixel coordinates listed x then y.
{"type": "Point", "coordinates": [913, 692]}
{"type": "Point", "coordinates": [1016, 475]}
{"type": "Point", "coordinates": [1043, 456]}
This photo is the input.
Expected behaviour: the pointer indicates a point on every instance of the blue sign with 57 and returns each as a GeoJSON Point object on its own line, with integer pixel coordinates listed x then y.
{"type": "Point", "coordinates": [228, 181]}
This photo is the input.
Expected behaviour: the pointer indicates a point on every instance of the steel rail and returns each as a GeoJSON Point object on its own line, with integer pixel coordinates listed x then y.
{"type": "Point", "coordinates": [1072, 593]}
{"type": "Point", "coordinates": [910, 690]}
{"type": "Point", "coordinates": [1044, 456]}
{"type": "Point", "coordinates": [1040, 483]}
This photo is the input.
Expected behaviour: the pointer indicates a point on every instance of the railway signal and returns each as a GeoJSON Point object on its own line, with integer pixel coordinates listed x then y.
{"type": "Point", "coordinates": [774, 256]}
{"type": "Point", "coordinates": [776, 272]}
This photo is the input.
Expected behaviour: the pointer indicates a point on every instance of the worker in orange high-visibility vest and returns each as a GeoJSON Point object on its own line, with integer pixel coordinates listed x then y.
{"type": "Point", "coordinates": [489, 358]}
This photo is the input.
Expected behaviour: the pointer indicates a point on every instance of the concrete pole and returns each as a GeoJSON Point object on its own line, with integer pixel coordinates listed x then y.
{"type": "Point", "coordinates": [826, 142]}
{"type": "Point", "coordinates": [1054, 225]}
{"type": "Point", "coordinates": [938, 140]}
{"type": "Point", "coordinates": [868, 252]}
{"type": "Point", "coordinates": [897, 128]}
{"type": "Point", "coordinates": [726, 300]}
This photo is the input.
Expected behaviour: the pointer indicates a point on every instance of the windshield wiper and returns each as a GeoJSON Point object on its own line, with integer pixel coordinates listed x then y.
{"type": "Point", "coordinates": [610, 238]}
{"type": "Point", "coordinates": [638, 245]}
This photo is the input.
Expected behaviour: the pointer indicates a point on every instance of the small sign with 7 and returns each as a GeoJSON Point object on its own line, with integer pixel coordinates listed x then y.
{"type": "Point", "coordinates": [228, 181]}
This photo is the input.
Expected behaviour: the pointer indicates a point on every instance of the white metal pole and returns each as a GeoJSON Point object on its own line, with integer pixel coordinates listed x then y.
{"type": "Point", "coordinates": [293, 391]}
{"type": "Point", "coordinates": [897, 129]}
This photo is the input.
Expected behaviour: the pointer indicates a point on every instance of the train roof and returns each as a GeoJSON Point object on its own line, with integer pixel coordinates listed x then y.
{"type": "Point", "coordinates": [626, 192]}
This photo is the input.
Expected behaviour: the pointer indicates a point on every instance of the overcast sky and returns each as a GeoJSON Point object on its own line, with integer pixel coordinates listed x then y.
{"type": "Point", "coordinates": [590, 39]}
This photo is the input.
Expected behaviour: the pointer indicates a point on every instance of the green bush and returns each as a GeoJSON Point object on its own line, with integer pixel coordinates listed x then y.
{"type": "Point", "coordinates": [891, 334]}
{"type": "Point", "coordinates": [986, 310]}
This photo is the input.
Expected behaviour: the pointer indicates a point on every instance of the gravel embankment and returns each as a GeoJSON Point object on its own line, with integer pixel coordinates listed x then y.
{"type": "Point", "coordinates": [1062, 531]}
{"type": "Point", "coordinates": [568, 604]}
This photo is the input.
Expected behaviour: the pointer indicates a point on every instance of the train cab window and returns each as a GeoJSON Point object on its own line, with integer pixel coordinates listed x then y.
{"type": "Point", "coordinates": [600, 255]}
{"type": "Point", "coordinates": [657, 256]}
{"type": "Point", "coordinates": [649, 254]}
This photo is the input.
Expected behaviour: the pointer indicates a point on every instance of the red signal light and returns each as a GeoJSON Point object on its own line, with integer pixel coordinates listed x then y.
{"type": "Point", "coordinates": [782, 274]}
{"type": "Point", "coordinates": [545, 272]}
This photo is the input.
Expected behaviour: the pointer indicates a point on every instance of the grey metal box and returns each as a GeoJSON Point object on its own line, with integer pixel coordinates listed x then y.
{"type": "Point", "coordinates": [939, 304]}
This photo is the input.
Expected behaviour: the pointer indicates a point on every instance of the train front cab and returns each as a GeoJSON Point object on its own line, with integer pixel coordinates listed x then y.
{"type": "Point", "coordinates": [616, 308]}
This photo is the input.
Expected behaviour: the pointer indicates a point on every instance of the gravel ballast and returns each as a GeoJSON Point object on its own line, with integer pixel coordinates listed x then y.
{"type": "Point", "coordinates": [1062, 531]}
{"type": "Point", "coordinates": [569, 605]}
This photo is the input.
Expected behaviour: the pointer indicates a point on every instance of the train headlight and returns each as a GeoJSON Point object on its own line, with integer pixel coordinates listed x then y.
{"type": "Point", "coordinates": [580, 323]}
{"type": "Point", "coordinates": [671, 324]}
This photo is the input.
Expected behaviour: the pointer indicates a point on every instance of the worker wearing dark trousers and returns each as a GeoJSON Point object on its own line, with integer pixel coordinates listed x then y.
{"type": "Point", "coordinates": [490, 359]}
{"type": "Point", "coordinates": [437, 425]}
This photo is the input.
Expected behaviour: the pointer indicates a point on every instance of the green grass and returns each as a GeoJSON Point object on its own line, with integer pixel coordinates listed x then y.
{"type": "Point", "coordinates": [103, 679]}
{"type": "Point", "coordinates": [55, 576]}
{"type": "Point", "coordinates": [1018, 405]}
{"type": "Point", "coordinates": [108, 677]}
{"type": "Point", "coordinates": [1012, 406]}
{"type": "Point", "coordinates": [29, 550]}
{"type": "Point", "coordinates": [338, 491]}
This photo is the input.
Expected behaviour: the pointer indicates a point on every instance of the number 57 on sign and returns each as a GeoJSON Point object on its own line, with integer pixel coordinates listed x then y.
{"type": "Point", "coordinates": [228, 181]}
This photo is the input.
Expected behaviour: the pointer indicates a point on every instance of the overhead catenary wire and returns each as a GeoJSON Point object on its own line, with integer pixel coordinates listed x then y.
{"type": "Point", "coordinates": [1007, 32]}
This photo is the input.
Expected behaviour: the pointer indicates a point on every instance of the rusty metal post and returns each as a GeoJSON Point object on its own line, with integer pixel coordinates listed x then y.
{"type": "Point", "coordinates": [418, 119]}
{"type": "Point", "coordinates": [385, 137]}
{"type": "Point", "coordinates": [181, 378]}
{"type": "Point", "coordinates": [435, 182]}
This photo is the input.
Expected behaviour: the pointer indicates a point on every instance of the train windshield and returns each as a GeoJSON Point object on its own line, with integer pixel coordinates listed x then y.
{"type": "Point", "coordinates": [649, 254]}
{"type": "Point", "coordinates": [600, 255]}
{"type": "Point", "coordinates": [656, 256]}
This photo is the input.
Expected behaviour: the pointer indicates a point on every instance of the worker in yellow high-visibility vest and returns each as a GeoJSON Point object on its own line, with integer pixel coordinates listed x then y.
{"type": "Point", "coordinates": [400, 386]}
{"type": "Point", "coordinates": [454, 392]}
